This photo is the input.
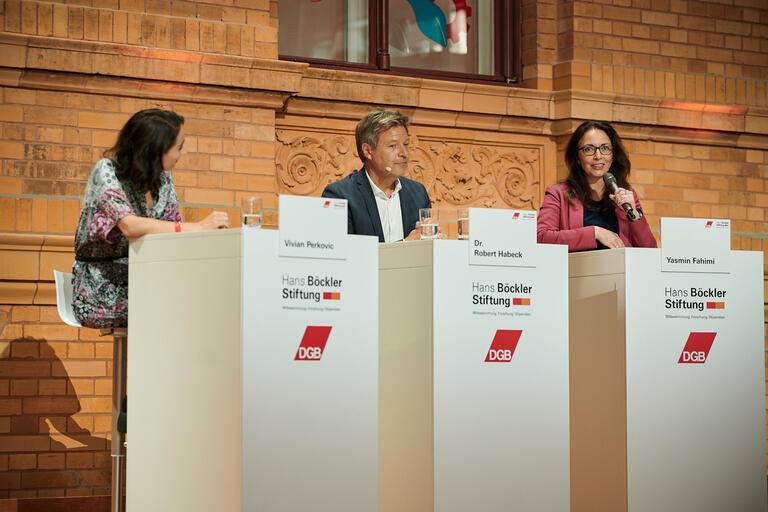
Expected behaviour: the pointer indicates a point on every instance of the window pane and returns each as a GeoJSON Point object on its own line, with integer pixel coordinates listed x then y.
{"type": "Point", "coordinates": [324, 29]}
{"type": "Point", "coordinates": [443, 35]}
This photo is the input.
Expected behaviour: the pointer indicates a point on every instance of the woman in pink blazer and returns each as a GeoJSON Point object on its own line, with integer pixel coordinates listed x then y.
{"type": "Point", "coordinates": [581, 212]}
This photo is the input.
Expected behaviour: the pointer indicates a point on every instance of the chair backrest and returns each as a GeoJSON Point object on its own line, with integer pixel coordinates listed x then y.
{"type": "Point", "coordinates": [64, 298]}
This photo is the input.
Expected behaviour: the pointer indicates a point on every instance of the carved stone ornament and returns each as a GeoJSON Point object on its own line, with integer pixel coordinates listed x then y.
{"type": "Point", "coordinates": [455, 173]}
{"type": "Point", "coordinates": [486, 176]}
{"type": "Point", "coordinates": [307, 162]}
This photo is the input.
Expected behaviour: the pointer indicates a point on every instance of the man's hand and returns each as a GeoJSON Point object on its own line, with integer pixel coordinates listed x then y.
{"type": "Point", "coordinates": [415, 234]}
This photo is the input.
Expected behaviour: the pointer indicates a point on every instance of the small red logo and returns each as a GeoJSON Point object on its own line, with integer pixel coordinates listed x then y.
{"type": "Point", "coordinates": [331, 295]}
{"type": "Point", "coordinates": [326, 204]}
{"type": "Point", "coordinates": [697, 347]}
{"type": "Point", "coordinates": [313, 343]}
{"type": "Point", "coordinates": [715, 305]}
{"type": "Point", "coordinates": [503, 346]}
{"type": "Point", "coordinates": [709, 224]}
{"type": "Point", "coordinates": [516, 215]}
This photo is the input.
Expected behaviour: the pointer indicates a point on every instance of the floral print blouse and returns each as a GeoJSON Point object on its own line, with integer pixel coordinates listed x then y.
{"type": "Point", "coordinates": [100, 272]}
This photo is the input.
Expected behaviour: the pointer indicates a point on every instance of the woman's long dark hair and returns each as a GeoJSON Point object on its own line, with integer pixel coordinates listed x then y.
{"type": "Point", "coordinates": [141, 144]}
{"type": "Point", "coordinates": [577, 184]}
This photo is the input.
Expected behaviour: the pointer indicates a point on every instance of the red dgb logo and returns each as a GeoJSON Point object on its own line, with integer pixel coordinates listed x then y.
{"type": "Point", "coordinates": [503, 346]}
{"type": "Point", "coordinates": [313, 343]}
{"type": "Point", "coordinates": [697, 347]}
{"type": "Point", "coordinates": [709, 224]}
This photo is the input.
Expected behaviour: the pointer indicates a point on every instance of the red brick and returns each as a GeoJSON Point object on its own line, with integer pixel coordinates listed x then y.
{"type": "Point", "coordinates": [52, 387]}
{"type": "Point", "coordinates": [9, 406]}
{"type": "Point", "coordinates": [24, 443]}
{"type": "Point", "coordinates": [81, 350]}
{"type": "Point", "coordinates": [22, 461]}
{"type": "Point", "coordinates": [102, 387]}
{"type": "Point", "coordinates": [43, 479]}
{"type": "Point", "coordinates": [95, 405]}
{"type": "Point", "coordinates": [28, 17]}
{"type": "Point", "coordinates": [94, 478]}
{"type": "Point", "coordinates": [25, 424]}
{"type": "Point", "coordinates": [102, 423]}
{"type": "Point", "coordinates": [660, 18]}
{"type": "Point", "coordinates": [75, 23]}
{"type": "Point", "coordinates": [79, 368]}
{"type": "Point", "coordinates": [24, 387]}
{"type": "Point", "coordinates": [80, 460]}
{"type": "Point", "coordinates": [50, 461]}
{"type": "Point", "coordinates": [51, 405]}
{"type": "Point", "coordinates": [10, 480]}
{"type": "Point", "coordinates": [25, 348]}
{"type": "Point", "coordinates": [50, 331]}
{"type": "Point", "coordinates": [10, 368]}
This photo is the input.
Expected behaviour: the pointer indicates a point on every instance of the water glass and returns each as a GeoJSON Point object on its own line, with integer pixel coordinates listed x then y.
{"type": "Point", "coordinates": [429, 220]}
{"type": "Point", "coordinates": [462, 219]}
{"type": "Point", "coordinates": [252, 211]}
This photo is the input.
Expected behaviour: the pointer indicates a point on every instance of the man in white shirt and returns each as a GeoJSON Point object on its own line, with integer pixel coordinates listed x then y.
{"type": "Point", "coordinates": [381, 201]}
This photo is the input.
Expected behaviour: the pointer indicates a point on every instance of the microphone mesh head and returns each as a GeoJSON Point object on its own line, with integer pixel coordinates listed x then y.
{"type": "Point", "coordinates": [609, 179]}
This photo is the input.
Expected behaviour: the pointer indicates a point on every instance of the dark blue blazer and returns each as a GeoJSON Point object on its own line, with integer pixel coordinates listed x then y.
{"type": "Point", "coordinates": [363, 214]}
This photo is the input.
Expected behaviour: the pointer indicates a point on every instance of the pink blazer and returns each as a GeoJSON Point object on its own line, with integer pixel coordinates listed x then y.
{"type": "Point", "coordinates": [562, 222]}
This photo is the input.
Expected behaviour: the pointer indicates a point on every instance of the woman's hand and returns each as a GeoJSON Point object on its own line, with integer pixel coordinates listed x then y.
{"type": "Point", "coordinates": [623, 196]}
{"type": "Point", "coordinates": [608, 238]}
{"type": "Point", "coordinates": [216, 220]}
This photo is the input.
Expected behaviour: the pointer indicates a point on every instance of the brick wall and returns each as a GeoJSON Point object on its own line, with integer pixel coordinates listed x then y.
{"type": "Point", "coordinates": [714, 52]}
{"type": "Point", "coordinates": [684, 82]}
{"type": "Point", "coordinates": [55, 406]}
{"type": "Point", "coordinates": [707, 51]}
{"type": "Point", "coordinates": [237, 27]}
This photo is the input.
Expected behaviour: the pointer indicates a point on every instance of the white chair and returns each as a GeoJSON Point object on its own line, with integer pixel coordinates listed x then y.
{"type": "Point", "coordinates": [66, 313]}
{"type": "Point", "coordinates": [64, 298]}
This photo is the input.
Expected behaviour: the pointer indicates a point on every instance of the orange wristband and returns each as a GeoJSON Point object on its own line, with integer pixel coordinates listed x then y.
{"type": "Point", "coordinates": [177, 227]}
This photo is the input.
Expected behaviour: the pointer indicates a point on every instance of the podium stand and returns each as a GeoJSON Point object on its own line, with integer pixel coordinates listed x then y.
{"type": "Point", "coordinates": [667, 385]}
{"type": "Point", "coordinates": [473, 391]}
{"type": "Point", "coordinates": [252, 379]}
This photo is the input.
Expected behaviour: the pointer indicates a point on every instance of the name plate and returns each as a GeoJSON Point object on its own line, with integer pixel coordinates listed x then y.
{"type": "Point", "coordinates": [502, 237]}
{"type": "Point", "coordinates": [695, 245]}
{"type": "Point", "coordinates": [313, 227]}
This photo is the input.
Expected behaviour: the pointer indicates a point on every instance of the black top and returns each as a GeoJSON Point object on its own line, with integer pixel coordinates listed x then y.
{"type": "Point", "coordinates": [606, 220]}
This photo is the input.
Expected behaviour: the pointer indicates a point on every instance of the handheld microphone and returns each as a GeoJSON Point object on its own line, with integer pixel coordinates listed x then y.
{"type": "Point", "coordinates": [610, 181]}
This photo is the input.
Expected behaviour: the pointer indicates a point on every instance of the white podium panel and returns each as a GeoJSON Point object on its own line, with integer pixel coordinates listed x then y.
{"type": "Point", "coordinates": [253, 378]}
{"type": "Point", "coordinates": [310, 379]}
{"type": "Point", "coordinates": [473, 381]}
{"type": "Point", "coordinates": [673, 416]}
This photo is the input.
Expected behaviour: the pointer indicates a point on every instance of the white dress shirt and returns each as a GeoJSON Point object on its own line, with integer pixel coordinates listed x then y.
{"type": "Point", "coordinates": [389, 211]}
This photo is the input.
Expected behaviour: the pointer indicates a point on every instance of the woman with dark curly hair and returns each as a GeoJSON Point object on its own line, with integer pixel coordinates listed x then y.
{"type": "Point", "coordinates": [129, 194]}
{"type": "Point", "coordinates": [581, 212]}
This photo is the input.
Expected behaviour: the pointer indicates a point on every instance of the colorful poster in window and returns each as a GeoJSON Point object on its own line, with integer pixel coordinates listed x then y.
{"type": "Point", "coordinates": [441, 35]}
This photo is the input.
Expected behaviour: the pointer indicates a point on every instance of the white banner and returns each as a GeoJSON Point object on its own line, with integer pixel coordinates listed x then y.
{"type": "Point", "coordinates": [695, 386]}
{"type": "Point", "coordinates": [501, 383]}
{"type": "Point", "coordinates": [310, 378]}
{"type": "Point", "coordinates": [695, 245]}
{"type": "Point", "coordinates": [502, 237]}
{"type": "Point", "coordinates": [313, 227]}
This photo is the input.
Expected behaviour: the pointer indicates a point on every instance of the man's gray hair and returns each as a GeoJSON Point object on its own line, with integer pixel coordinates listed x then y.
{"type": "Point", "coordinates": [375, 122]}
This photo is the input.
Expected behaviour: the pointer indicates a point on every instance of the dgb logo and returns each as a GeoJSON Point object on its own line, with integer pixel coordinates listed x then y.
{"type": "Point", "coordinates": [313, 343]}
{"type": "Point", "coordinates": [503, 346]}
{"type": "Point", "coordinates": [697, 347]}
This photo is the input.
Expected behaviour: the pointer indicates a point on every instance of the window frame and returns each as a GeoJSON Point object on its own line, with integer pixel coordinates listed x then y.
{"type": "Point", "coordinates": [507, 43]}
